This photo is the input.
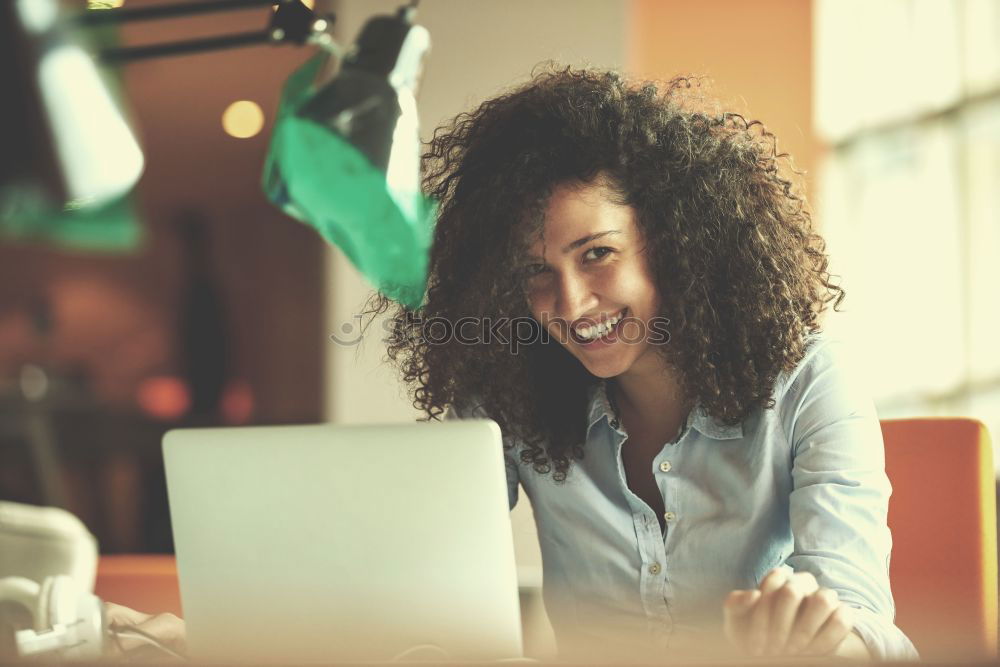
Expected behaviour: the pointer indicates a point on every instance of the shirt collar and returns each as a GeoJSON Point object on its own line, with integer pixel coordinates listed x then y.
{"type": "Point", "coordinates": [600, 406]}
{"type": "Point", "coordinates": [712, 427]}
{"type": "Point", "coordinates": [700, 420]}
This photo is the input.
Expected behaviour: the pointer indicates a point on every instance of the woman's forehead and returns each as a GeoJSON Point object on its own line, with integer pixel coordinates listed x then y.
{"type": "Point", "coordinates": [575, 212]}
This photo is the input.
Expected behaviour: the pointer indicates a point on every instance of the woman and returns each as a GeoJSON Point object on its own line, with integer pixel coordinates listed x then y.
{"type": "Point", "coordinates": [634, 290]}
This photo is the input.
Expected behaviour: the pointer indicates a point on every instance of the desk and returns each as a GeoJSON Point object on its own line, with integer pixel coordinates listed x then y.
{"type": "Point", "coordinates": [148, 583]}
{"type": "Point", "coordinates": [145, 582]}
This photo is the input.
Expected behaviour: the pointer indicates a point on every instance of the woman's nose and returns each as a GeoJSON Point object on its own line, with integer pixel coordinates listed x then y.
{"type": "Point", "coordinates": [574, 296]}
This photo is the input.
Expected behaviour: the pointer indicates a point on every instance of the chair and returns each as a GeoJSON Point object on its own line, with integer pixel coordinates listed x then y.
{"type": "Point", "coordinates": [943, 519]}
{"type": "Point", "coordinates": [145, 582]}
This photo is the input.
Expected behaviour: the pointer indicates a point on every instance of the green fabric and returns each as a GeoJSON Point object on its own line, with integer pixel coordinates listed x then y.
{"type": "Point", "coordinates": [317, 177]}
{"type": "Point", "coordinates": [109, 228]}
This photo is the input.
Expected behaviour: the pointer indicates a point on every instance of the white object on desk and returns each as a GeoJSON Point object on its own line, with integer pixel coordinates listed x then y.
{"type": "Point", "coordinates": [39, 542]}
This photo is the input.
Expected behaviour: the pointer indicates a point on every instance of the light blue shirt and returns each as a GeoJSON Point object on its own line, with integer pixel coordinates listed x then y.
{"type": "Point", "coordinates": [801, 485]}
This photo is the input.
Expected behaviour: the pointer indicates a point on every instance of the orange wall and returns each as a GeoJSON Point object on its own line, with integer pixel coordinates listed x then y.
{"type": "Point", "coordinates": [757, 52]}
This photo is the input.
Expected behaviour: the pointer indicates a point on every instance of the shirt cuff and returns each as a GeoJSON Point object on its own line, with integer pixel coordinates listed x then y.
{"type": "Point", "coordinates": [881, 636]}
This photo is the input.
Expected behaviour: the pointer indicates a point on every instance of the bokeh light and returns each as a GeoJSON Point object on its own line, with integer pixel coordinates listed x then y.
{"type": "Point", "coordinates": [243, 119]}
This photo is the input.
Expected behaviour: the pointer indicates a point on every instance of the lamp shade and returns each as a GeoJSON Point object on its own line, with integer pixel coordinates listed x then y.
{"type": "Point", "coordinates": [66, 147]}
{"type": "Point", "coordinates": [345, 157]}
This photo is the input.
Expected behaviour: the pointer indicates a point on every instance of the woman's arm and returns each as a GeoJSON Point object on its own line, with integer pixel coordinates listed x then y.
{"type": "Point", "coordinates": [840, 496]}
{"type": "Point", "coordinates": [832, 597]}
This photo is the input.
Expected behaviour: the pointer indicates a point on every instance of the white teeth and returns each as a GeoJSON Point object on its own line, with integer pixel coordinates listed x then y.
{"type": "Point", "coordinates": [588, 332]}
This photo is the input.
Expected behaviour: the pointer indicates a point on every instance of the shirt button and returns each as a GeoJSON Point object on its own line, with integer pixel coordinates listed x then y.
{"type": "Point", "coordinates": [669, 516]}
{"type": "Point", "coordinates": [665, 466]}
{"type": "Point", "coordinates": [654, 568]}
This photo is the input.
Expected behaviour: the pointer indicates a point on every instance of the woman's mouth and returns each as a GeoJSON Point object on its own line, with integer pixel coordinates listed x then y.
{"type": "Point", "coordinates": [597, 335]}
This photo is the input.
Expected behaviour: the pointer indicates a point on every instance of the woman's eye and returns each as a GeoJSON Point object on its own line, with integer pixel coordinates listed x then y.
{"type": "Point", "coordinates": [597, 253]}
{"type": "Point", "coordinates": [532, 270]}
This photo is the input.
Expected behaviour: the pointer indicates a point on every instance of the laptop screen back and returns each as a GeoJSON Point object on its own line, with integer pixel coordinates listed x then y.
{"type": "Point", "coordinates": [319, 543]}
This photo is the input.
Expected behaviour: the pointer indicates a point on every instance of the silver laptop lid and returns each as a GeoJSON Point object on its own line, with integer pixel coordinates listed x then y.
{"type": "Point", "coordinates": [321, 542]}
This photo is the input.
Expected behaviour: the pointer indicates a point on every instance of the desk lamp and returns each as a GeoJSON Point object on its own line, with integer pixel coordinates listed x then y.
{"type": "Point", "coordinates": [344, 153]}
{"type": "Point", "coordinates": [66, 151]}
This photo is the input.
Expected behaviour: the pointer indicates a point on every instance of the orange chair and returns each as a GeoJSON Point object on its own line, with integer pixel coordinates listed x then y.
{"type": "Point", "coordinates": [145, 582]}
{"type": "Point", "coordinates": [943, 519]}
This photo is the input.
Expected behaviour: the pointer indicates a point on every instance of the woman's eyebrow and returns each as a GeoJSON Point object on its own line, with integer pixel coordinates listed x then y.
{"type": "Point", "coordinates": [579, 242]}
{"type": "Point", "coordinates": [587, 239]}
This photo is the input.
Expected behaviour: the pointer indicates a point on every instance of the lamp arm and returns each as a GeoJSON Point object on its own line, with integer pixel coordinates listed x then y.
{"type": "Point", "coordinates": [126, 54]}
{"type": "Point", "coordinates": [99, 17]}
{"type": "Point", "coordinates": [291, 21]}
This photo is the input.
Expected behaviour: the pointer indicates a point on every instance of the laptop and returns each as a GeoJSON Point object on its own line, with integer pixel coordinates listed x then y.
{"type": "Point", "coordinates": [323, 543]}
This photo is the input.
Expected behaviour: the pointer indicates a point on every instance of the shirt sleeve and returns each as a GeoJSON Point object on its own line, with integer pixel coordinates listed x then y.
{"type": "Point", "coordinates": [510, 462]}
{"type": "Point", "coordinates": [840, 496]}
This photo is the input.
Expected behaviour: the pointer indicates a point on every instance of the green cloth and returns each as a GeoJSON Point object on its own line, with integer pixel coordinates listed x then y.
{"type": "Point", "coordinates": [112, 227]}
{"type": "Point", "coordinates": [317, 177]}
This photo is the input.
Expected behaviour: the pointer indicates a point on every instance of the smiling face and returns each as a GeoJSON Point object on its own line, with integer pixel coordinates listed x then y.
{"type": "Point", "coordinates": [588, 280]}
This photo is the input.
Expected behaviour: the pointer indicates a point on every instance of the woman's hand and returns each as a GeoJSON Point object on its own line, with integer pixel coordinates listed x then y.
{"type": "Point", "coordinates": [165, 628]}
{"type": "Point", "coordinates": [791, 615]}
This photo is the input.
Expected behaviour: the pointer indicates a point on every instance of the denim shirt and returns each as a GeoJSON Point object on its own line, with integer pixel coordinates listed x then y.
{"type": "Point", "coordinates": [801, 486]}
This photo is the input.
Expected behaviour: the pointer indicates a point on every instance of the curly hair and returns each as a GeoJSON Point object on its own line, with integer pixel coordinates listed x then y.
{"type": "Point", "coordinates": [742, 276]}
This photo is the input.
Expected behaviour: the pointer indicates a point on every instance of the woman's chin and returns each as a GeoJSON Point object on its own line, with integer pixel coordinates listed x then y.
{"type": "Point", "coordinates": [605, 370]}
{"type": "Point", "coordinates": [616, 362]}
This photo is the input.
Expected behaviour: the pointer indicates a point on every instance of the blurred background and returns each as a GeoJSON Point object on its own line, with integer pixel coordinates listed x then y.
{"type": "Point", "coordinates": [222, 311]}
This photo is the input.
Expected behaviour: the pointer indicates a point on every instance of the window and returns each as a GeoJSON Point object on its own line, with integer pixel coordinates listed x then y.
{"type": "Point", "coordinates": [907, 96]}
